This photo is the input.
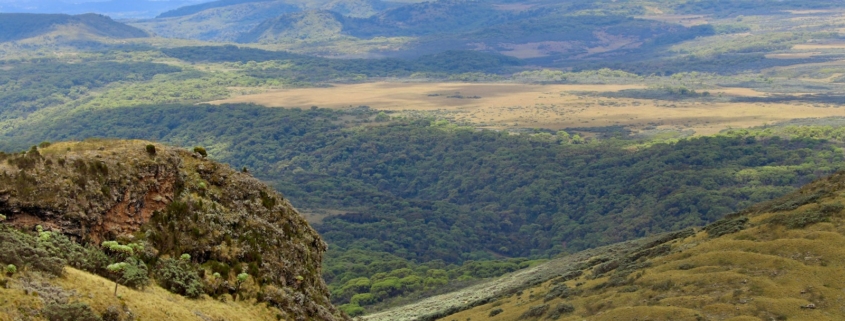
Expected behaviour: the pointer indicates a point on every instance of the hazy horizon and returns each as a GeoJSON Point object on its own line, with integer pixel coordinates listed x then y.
{"type": "Point", "coordinates": [117, 9]}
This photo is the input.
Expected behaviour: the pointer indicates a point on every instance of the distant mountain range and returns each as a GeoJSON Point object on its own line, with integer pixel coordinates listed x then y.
{"type": "Point", "coordinates": [112, 8]}
{"type": "Point", "coordinates": [19, 26]}
{"type": "Point", "coordinates": [534, 29]}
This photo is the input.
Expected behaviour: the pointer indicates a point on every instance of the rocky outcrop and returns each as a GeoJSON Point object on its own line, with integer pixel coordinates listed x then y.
{"type": "Point", "coordinates": [176, 202]}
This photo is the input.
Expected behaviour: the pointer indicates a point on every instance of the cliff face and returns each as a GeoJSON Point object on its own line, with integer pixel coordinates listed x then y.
{"type": "Point", "coordinates": [176, 202]}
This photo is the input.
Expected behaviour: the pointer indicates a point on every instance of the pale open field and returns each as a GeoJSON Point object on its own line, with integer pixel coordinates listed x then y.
{"type": "Point", "coordinates": [504, 105]}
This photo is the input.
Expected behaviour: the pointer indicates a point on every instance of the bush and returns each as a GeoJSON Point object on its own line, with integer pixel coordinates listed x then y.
{"type": "Point", "coordinates": [806, 218]}
{"type": "Point", "coordinates": [495, 312]}
{"type": "Point", "coordinates": [535, 312]}
{"type": "Point", "coordinates": [11, 269]}
{"type": "Point", "coordinates": [151, 149]}
{"type": "Point", "coordinates": [76, 311]}
{"type": "Point", "coordinates": [201, 151]}
{"type": "Point", "coordinates": [113, 313]}
{"type": "Point", "coordinates": [179, 277]}
{"type": "Point", "coordinates": [135, 274]}
{"type": "Point", "coordinates": [353, 310]}
{"type": "Point", "coordinates": [22, 249]}
{"type": "Point", "coordinates": [560, 310]}
{"type": "Point", "coordinates": [726, 226]}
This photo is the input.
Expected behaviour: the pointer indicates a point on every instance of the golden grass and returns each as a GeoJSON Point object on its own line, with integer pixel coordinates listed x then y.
{"type": "Point", "coordinates": [505, 105]}
{"type": "Point", "coordinates": [819, 46]}
{"type": "Point", "coordinates": [765, 272]}
{"type": "Point", "coordinates": [153, 303]}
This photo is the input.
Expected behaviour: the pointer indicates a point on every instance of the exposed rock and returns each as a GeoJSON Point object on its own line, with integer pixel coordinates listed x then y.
{"type": "Point", "coordinates": [177, 204]}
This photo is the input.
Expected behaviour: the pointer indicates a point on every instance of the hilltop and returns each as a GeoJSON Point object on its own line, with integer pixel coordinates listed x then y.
{"type": "Point", "coordinates": [233, 236]}
{"type": "Point", "coordinates": [778, 260]}
{"type": "Point", "coordinates": [19, 26]}
{"type": "Point", "coordinates": [229, 20]}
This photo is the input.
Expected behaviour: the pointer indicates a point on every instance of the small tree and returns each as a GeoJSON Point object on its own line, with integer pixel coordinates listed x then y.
{"type": "Point", "coordinates": [11, 269]}
{"type": "Point", "coordinates": [214, 284]}
{"type": "Point", "coordinates": [241, 278]}
{"type": "Point", "coordinates": [131, 272]}
{"type": "Point", "coordinates": [116, 269]}
{"type": "Point", "coordinates": [151, 149]}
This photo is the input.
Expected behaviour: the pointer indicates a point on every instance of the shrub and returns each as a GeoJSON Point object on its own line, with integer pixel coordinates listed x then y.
{"type": "Point", "coordinates": [663, 286]}
{"type": "Point", "coordinates": [76, 311]}
{"type": "Point", "coordinates": [560, 310]}
{"type": "Point", "coordinates": [151, 149]}
{"type": "Point", "coordinates": [685, 266]}
{"type": "Point", "coordinates": [135, 274]}
{"type": "Point", "coordinates": [201, 151]}
{"type": "Point", "coordinates": [363, 299]}
{"type": "Point", "coordinates": [495, 312]}
{"type": "Point", "coordinates": [535, 312]}
{"type": "Point", "coordinates": [179, 277]}
{"type": "Point", "coordinates": [23, 250]}
{"type": "Point", "coordinates": [113, 313]}
{"type": "Point", "coordinates": [11, 269]}
{"type": "Point", "coordinates": [353, 310]}
{"type": "Point", "coordinates": [726, 226]}
{"type": "Point", "coordinates": [806, 218]}
{"type": "Point", "coordinates": [561, 291]}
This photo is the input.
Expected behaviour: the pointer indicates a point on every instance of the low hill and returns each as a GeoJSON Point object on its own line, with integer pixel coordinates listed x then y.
{"type": "Point", "coordinates": [224, 22]}
{"type": "Point", "coordinates": [316, 25]}
{"type": "Point", "coordinates": [192, 9]}
{"type": "Point", "coordinates": [18, 26]}
{"type": "Point", "coordinates": [112, 8]}
{"type": "Point", "coordinates": [233, 236]}
{"type": "Point", "coordinates": [227, 20]}
{"type": "Point", "coordinates": [779, 260]}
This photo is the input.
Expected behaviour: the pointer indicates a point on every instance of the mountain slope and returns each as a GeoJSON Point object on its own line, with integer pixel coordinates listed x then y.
{"type": "Point", "coordinates": [18, 26]}
{"type": "Point", "coordinates": [192, 9]}
{"type": "Point", "coordinates": [112, 8]}
{"type": "Point", "coordinates": [306, 25]}
{"type": "Point", "coordinates": [226, 20]}
{"type": "Point", "coordinates": [176, 203]}
{"type": "Point", "coordinates": [779, 260]}
{"type": "Point", "coordinates": [223, 23]}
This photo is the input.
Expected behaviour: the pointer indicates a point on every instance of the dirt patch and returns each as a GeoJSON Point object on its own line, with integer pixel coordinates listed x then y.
{"type": "Point", "coordinates": [685, 20]}
{"type": "Point", "coordinates": [537, 49]}
{"type": "Point", "coordinates": [514, 7]}
{"type": "Point", "coordinates": [794, 55]}
{"type": "Point", "coordinates": [817, 46]}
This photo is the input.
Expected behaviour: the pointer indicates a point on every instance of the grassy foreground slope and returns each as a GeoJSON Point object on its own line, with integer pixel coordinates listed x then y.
{"type": "Point", "coordinates": [152, 303]}
{"type": "Point", "coordinates": [779, 260]}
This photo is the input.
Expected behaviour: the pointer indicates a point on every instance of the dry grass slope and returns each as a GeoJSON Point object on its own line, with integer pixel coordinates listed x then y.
{"type": "Point", "coordinates": [153, 303]}
{"type": "Point", "coordinates": [510, 105]}
{"type": "Point", "coordinates": [785, 263]}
